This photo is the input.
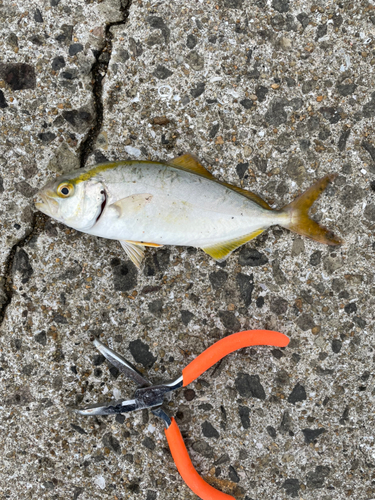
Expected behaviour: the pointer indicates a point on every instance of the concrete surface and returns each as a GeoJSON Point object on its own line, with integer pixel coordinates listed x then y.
{"type": "Point", "coordinates": [270, 96]}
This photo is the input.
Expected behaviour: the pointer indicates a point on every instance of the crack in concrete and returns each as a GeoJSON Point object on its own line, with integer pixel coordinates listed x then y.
{"type": "Point", "coordinates": [37, 225]}
{"type": "Point", "coordinates": [99, 71]}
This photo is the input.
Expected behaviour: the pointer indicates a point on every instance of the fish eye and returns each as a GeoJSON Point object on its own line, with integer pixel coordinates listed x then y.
{"type": "Point", "coordinates": [64, 190]}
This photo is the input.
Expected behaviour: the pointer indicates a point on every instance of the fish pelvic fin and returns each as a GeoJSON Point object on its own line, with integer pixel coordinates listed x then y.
{"type": "Point", "coordinates": [222, 250]}
{"type": "Point", "coordinates": [298, 219]}
{"type": "Point", "coordinates": [135, 252]}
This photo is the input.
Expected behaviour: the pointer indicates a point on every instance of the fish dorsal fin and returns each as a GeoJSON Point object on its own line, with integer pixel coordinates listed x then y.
{"type": "Point", "coordinates": [134, 252]}
{"type": "Point", "coordinates": [252, 196]}
{"type": "Point", "coordinates": [191, 163]}
{"type": "Point", "coordinates": [222, 250]}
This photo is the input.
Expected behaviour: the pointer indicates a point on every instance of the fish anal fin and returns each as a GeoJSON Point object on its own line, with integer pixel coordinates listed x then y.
{"type": "Point", "coordinates": [133, 251]}
{"type": "Point", "coordinates": [190, 163]}
{"type": "Point", "coordinates": [222, 250]}
{"type": "Point", "coordinates": [132, 204]}
{"type": "Point", "coordinates": [252, 196]}
{"type": "Point", "coordinates": [144, 243]}
{"type": "Point", "coordinates": [298, 217]}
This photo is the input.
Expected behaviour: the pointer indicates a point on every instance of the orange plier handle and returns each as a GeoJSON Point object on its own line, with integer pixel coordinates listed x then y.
{"type": "Point", "coordinates": [198, 366]}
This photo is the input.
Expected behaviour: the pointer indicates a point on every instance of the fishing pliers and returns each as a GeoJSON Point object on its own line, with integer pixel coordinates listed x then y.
{"type": "Point", "coordinates": [152, 396]}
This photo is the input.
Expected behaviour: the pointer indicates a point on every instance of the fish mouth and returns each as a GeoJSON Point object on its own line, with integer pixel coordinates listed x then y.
{"type": "Point", "coordinates": [46, 204]}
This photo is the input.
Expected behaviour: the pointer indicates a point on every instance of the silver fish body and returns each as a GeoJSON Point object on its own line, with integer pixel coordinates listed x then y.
{"type": "Point", "coordinates": [144, 203]}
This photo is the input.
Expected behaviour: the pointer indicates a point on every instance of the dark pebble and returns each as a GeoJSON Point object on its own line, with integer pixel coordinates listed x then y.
{"type": "Point", "coordinates": [305, 322]}
{"type": "Point", "coordinates": [156, 307]}
{"type": "Point", "coordinates": [350, 308]}
{"type": "Point", "coordinates": [46, 137]}
{"type": "Point", "coordinates": [276, 353]}
{"type": "Point", "coordinates": [346, 89]}
{"type": "Point", "coordinates": [251, 257]}
{"type": "Point", "coordinates": [111, 442]}
{"type": "Point", "coordinates": [120, 419]}
{"type": "Point", "coordinates": [247, 103]}
{"type": "Point", "coordinates": [186, 316]}
{"type": "Point", "coordinates": [191, 41]}
{"type": "Point", "coordinates": [260, 302]}
{"type": "Point", "coordinates": [149, 443]}
{"type": "Point", "coordinates": [280, 5]}
{"type": "Point", "coordinates": [78, 118]}
{"type": "Point", "coordinates": [77, 489]}
{"type": "Point", "coordinates": [278, 305]}
{"type": "Point", "coordinates": [246, 286]}
{"type": "Point", "coordinates": [271, 431]}
{"type": "Point", "coordinates": [209, 430]}
{"type": "Point", "coordinates": [199, 89]}
{"type": "Point", "coordinates": [321, 31]}
{"type": "Point", "coordinates": [276, 114]}
{"type": "Point", "coordinates": [141, 353]}
{"type": "Point", "coordinates": [233, 476]}
{"type": "Point", "coordinates": [336, 346]}
{"type": "Point", "coordinates": [316, 479]}
{"type": "Point", "coordinates": [214, 130]}
{"type": "Point", "coordinates": [18, 76]}
{"type": "Point", "coordinates": [218, 279]}
{"type": "Point", "coordinates": [291, 487]}
{"type": "Point", "coordinates": [189, 394]}
{"type": "Point", "coordinates": [359, 321]}
{"type": "Point", "coordinates": [21, 264]}
{"type": "Point", "coordinates": [38, 16]}
{"type": "Point", "coordinates": [78, 429]}
{"type": "Point", "coordinates": [244, 412]}
{"type": "Point", "coordinates": [229, 320]}
{"type": "Point", "coordinates": [98, 372]}
{"type": "Point", "coordinates": [249, 386]}
{"type": "Point", "coordinates": [261, 93]}
{"type": "Point", "coordinates": [162, 73]}
{"type": "Point", "coordinates": [98, 360]}
{"type": "Point", "coordinates": [205, 407]}
{"type": "Point", "coordinates": [57, 63]}
{"type": "Point", "coordinates": [222, 459]}
{"type": "Point", "coordinates": [3, 103]}
{"type": "Point", "coordinates": [203, 448]}
{"type": "Point", "coordinates": [66, 35]}
{"type": "Point", "coordinates": [297, 394]}
{"type": "Point", "coordinates": [343, 139]}
{"type": "Point", "coordinates": [41, 338]}
{"type": "Point", "coordinates": [75, 48]}
{"type": "Point", "coordinates": [312, 434]}
{"type": "Point", "coordinates": [151, 495]}
{"type": "Point", "coordinates": [286, 423]}
{"type": "Point", "coordinates": [241, 169]}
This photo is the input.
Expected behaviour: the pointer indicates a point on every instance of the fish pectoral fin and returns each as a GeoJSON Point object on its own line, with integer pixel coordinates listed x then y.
{"type": "Point", "coordinates": [145, 244]}
{"type": "Point", "coordinates": [222, 250]}
{"type": "Point", "coordinates": [135, 252]}
{"type": "Point", "coordinates": [190, 163]}
{"type": "Point", "coordinates": [132, 204]}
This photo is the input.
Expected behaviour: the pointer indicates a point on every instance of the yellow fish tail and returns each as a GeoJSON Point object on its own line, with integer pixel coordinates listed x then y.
{"type": "Point", "coordinates": [299, 220]}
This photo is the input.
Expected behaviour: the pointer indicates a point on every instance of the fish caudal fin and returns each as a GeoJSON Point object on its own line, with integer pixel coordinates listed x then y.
{"type": "Point", "coordinates": [299, 220]}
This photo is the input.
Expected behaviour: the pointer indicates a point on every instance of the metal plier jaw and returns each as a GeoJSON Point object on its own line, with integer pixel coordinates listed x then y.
{"type": "Point", "coordinates": [149, 396]}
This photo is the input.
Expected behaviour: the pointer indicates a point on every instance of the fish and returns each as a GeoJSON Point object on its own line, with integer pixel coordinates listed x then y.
{"type": "Point", "coordinates": [151, 204]}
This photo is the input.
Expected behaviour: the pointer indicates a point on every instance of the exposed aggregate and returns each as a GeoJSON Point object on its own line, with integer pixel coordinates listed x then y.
{"type": "Point", "coordinates": [270, 96]}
